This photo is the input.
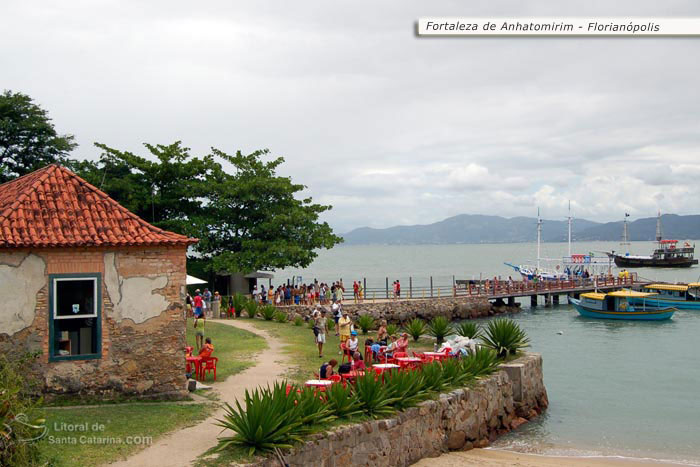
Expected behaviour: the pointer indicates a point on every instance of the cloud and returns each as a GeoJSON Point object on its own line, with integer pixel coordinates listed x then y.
{"type": "Point", "coordinates": [387, 127]}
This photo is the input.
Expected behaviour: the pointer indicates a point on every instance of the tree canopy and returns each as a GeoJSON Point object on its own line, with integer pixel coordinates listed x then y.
{"type": "Point", "coordinates": [249, 218]}
{"type": "Point", "coordinates": [28, 139]}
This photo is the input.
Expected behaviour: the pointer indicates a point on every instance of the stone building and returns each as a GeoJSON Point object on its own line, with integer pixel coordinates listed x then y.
{"type": "Point", "coordinates": [91, 286]}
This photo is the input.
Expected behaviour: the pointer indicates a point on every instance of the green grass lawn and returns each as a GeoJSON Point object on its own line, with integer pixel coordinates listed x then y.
{"type": "Point", "coordinates": [143, 422]}
{"type": "Point", "coordinates": [301, 347]}
{"type": "Point", "coordinates": [232, 346]}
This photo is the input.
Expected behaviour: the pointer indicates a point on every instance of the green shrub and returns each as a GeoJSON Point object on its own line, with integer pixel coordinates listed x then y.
{"type": "Point", "coordinates": [365, 322]}
{"type": "Point", "coordinates": [373, 396]}
{"type": "Point", "coordinates": [406, 387]}
{"type": "Point", "coordinates": [440, 327]}
{"type": "Point", "coordinates": [481, 363]}
{"type": "Point", "coordinates": [270, 420]}
{"type": "Point", "coordinates": [251, 308]}
{"type": "Point", "coordinates": [391, 329]}
{"type": "Point", "coordinates": [299, 321]}
{"type": "Point", "coordinates": [239, 303]}
{"type": "Point", "coordinates": [432, 375]}
{"type": "Point", "coordinates": [19, 426]}
{"type": "Point", "coordinates": [280, 317]}
{"type": "Point", "coordinates": [312, 409]}
{"type": "Point", "coordinates": [416, 328]}
{"type": "Point", "coordinates": [268, 312]}
{"type": "Point", "coordinates": [342, 401]}
{"type": "Point", "coordinates": [505, 337]}
{"type": "Point", "coordinates": [468, 329]}
{"type": "Point", "coordinates": [453, 373]}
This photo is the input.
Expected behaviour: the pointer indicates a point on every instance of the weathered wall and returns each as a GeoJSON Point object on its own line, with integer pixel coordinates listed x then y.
{"type": "Point", "coordinates": [399, 311]}
{"type": "Point", "coordinates": [142, 339]}
{"type": "Point", "coordinates": [20, 280]}
{"type": "Point", "coordinates": [458, 420]}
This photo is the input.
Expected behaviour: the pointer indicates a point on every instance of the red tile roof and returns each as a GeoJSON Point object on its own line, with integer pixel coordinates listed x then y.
{"type": "Point", "coordinates": [53, 207]}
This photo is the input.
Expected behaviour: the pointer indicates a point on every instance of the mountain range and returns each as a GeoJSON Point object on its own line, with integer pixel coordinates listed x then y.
{"type": "Point", "coordinates": [475, 228]}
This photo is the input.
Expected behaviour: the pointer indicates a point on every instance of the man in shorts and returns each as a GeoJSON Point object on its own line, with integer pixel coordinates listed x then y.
{"type": "Point", "coordinates": [320, 327]}
{"type": "Point", "coordinates": [345, 326]}
{"type": "Point", "coordinates": [198, 301]}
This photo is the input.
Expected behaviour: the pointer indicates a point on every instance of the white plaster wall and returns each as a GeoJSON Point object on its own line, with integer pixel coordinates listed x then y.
{"type": "Point", "coordinates": [133, 298]}
{"type": "Point", "coordinates": [20, 281]}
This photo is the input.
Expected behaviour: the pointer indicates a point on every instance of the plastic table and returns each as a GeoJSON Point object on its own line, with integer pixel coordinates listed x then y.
{"type": "Point", "coordinates": [318, 383]}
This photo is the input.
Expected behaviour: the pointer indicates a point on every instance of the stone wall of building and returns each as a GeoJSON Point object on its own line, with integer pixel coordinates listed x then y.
{"type": "Point", "coordinates": [400, 311]}
{"type": "Point", "coordinates": [459, 420]}
{"type": "Point", "coordinates": [142, 341]}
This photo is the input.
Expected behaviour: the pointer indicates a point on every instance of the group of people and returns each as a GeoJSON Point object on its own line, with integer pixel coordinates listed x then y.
{"type": "Point", "coordinates": [203, 303]}
{"type": "Point", "coordinates": [301, 294]}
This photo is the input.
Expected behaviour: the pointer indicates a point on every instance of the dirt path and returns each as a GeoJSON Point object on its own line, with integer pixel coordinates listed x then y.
{"type": "Point", "coordinates": [182, 447]}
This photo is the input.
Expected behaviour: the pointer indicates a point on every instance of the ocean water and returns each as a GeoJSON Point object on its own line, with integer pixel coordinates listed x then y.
{"type": "Point", "coordinates": [615, 388]}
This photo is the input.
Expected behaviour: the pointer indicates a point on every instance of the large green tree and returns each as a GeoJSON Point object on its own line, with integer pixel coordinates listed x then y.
{"type": "Point", "coordinates": [28, 139]}
{"type": "Point", "coordinates": [246, 216]}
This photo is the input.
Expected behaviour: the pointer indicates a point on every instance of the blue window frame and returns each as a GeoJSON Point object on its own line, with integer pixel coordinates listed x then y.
{"type": "Point", "coordinates": [75, 316]}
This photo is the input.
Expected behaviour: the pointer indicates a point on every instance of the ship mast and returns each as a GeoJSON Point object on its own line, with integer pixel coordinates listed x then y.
{"type": "Point", "coordinates": [569, 219]}
{"type": "Point", "coordinates": [539, 237]}
{"type": "Point", "coordinates": [658, 227]}
{"type": "Point", "coordinates": [625, 232]}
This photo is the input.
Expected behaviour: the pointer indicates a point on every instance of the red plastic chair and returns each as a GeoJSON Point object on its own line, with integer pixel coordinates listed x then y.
{"type": "Point", "coordinates": [208, 365]}
{"type": "Point", "coordinates": [336, 378]}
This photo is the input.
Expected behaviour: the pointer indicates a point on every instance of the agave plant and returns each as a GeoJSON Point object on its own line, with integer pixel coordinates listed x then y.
{"type": "Point", "coordinates": [468, 329]}
{"type": "Point", "coordinates": [268, 312]}
{"type": "Point", "coordinates": [391, 329]}
{"type": "Point", "coordinates": [311, 409]}
{"type": "Point", "coordinates": [481, 363]}
{"type": "Point", "coordinates": [505, 337]}
{"type": "Point", "coordinates": [238, 301]}
{"type": "Point", "coordinates": [366, 322]}
{"type": "Point", "coordinates": [433, 378]}
{"type": "Point", "coordinates": [298, 321]}
{"type": "Point", "coordinates": [453, 373]}
{"type": "Point", "coordinates": [251, 307]}
{"type": "Point", "coordinates": [440, 327]}
{"type": "Point", "coordinates": [280, 317]}
{"type": "Point", "coordinates": [416, 328]}
{"type": "Point", "coordinates": [407, 387]}
{"type": "Point", "coordinates": [373, 396]}
{"type": "Point", "coordinates": [268, 422]}
{"type": "Point", "coordinates": [342, 401]}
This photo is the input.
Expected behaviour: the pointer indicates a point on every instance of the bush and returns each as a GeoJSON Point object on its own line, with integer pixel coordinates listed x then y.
{"type": "Point", "coordinates": [342, 401]}
{"type": "Point", "coordinates": [433, 377]}
{"type": "Point", "coordinates": [454, 374]}
{"type": "Point", "coordinates": [373, 396]}
{"type": "Point", "coordinates": [483, 362]}
{"type": "Point", "coordinates": [251, 307]}
{"type": "Point", "coordinates": [268, 312]}
{"type": "Point", "coordinates": [280, 317]}
{"type": "Point", "coordinates": [18, 404]}
{"type": "Point", "coordinates": [505, 337]}
{"type": "Point", "coordinates": [269, 421]}
{"type": "Point", "coordinates": [312, 409]}
{"type": "Point", "coordinates": [365, 322]}
{"type": "Point", "coordinates": [239, 302]}
{"type": "Point", "coordinates": [440, 327]}
{"type": "Point", "coordinates": [468, 329]}
{"type": "Point", "coordinates": [298, 321]}
{"type": "Point", "coordinates": [406, 387]}
{"type": "Point", "coordinates": [391, 329]}
{"type": "Point", "coordinates": [416, 328]}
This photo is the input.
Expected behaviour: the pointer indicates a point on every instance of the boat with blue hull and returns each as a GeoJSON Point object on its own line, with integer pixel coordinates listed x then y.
{"type": "Point", "coordinates": [681, 296]}
{"type": "Point", "coordinates": [616, 305]}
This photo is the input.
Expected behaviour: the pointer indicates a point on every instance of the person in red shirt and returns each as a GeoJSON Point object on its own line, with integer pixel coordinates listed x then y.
{"type": "Point", "coordinates": [198, 301]}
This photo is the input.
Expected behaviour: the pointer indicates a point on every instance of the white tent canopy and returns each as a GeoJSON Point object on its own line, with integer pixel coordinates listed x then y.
{"type": "Point", "coordinates": [191, 280]}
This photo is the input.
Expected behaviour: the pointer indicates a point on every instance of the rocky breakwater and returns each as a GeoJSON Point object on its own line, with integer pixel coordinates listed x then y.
{"type": "Point", "coordinates": [458, 420]}
{"type": "Point", "coordinates": [400, 311]}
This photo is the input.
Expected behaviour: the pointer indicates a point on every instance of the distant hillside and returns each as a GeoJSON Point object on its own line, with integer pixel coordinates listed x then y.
{"type": "Point", "coordinates": [466, 228]}
{"type": "Point", "coordinates": [672, 226]}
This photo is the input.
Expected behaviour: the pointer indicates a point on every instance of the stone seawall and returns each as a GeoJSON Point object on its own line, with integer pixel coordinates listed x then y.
{"type": "Point", "coordinates": [400, 311]}
{"type": "Point", "coordinates": [458, 420]}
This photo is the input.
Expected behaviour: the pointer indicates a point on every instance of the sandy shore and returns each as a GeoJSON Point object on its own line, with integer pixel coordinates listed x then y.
{"type": "Point", "coordinates": [496, 458]}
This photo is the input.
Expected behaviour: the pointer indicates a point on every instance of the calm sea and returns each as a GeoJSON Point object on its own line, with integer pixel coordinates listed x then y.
{"type": "Point", "coordinates": [615, 388]}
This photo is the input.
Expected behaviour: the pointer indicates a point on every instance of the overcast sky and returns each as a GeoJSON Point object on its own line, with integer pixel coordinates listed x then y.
{"type": "Point", "coordinates": [387, 127]}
